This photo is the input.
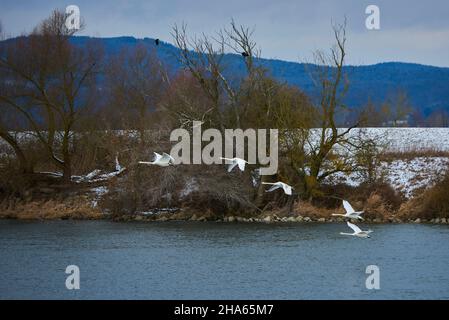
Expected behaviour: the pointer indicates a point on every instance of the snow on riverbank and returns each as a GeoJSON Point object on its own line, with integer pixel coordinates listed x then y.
{"type": "Point", "coordinates": [408, 176]}
{"type": "Point", "coordinates": [405, 176]}
{"type": "Point", "coordinates": [98, 193]}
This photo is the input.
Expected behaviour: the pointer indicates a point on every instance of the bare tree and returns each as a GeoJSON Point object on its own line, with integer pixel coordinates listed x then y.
{"type": "Point", "coordinates": [397, 108]}
{"type": "Point", "coordinates": [52, 85]}
{"type": "Point", "coordinates": [24, 165]}
{"type": "Point", "coordinates": [204, 61]}
{"type": "Point", "coordinates": [203, 57]}
{"type": "Point", "coordinates": [185, 101]}
{"type": "Point", "coordinates": [438, 118]}
{"type": "Point", "coordinates": [136, 83]}
{"type": "Point", "coordinates": [329, 149]}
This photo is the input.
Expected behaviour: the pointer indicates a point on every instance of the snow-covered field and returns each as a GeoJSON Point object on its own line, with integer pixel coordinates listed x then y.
{"type": "Point", "coordinates": [395, 139]}
{"type": "Point", "coordinates": [400, 139]}
{"type": "Point", "coordinates": [405, 176]}
{"type": "Point", "coordinates": [410, 139]}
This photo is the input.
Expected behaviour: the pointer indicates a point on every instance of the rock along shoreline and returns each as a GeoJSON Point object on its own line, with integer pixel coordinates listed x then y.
{"type": "Point", "coordinates": [82, 210]}
{"type": "Point", "coordinates": [267, 219]}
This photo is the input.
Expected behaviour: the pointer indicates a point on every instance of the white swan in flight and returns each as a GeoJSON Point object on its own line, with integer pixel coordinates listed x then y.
{"type": "Point", "coordinates": [163, 160]}
{"type": "Point", "coordinates": [276, 185]}
{"type": "Point", "coordinates": [350, 212]}
{"type": "Point", "coordinates": [357, 231]}
{"type": "Point", "coordinates": [235, 162]}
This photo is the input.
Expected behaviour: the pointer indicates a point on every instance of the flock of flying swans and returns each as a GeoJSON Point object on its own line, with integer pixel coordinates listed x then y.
{"type": "Point", "coordinates": [166, 160]}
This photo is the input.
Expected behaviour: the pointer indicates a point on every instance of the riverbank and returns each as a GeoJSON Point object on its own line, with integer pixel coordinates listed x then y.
{"type": "Point", "coordinates": [211, 194]}
{"type": "Point", "coordinates": [408, 184]}
{"type": "Point", "coordinates": [80, 208]}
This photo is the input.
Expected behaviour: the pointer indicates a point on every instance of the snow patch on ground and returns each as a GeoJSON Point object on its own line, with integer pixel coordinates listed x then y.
{"type": "Point", "coordinates": [190, 186]}
{"type": "Point", "coordinates": [157, 211]}
{"type": "Point", "coordinates": [95, 176]}
{"type": "Point", "coordinates": [409, 176]}
{"type": "Point", "coordinates": [98, 192]}
{"type": "Point", "coordinates": [405, 176]}
{"type": "Point", "coordinates": [91, 177]}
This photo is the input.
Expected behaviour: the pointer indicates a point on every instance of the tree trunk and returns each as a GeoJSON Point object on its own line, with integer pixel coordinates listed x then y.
{"type": "Point", "coordinates": [291, 203]}
{"type": "Point", "coordinates": [259, 202]}
{"type": "Point", "coordinates": [67, 165]}
{"type": "Point", "coordinates": [24, 165]}
{"type": "Point", "coordinates": [67, 172]}
{"type": "Point", "coordinates": [260, 198]}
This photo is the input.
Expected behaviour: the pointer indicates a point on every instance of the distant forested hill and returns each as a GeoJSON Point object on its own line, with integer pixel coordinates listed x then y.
{"type": "Point", "coordinates": [427, 87]}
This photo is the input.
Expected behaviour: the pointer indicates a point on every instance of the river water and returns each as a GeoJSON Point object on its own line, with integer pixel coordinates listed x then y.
{"type": "Point", "coordinates": [193, 260]}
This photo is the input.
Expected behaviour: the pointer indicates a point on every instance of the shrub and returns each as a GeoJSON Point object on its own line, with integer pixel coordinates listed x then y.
{"type": "Point", "coordinates": [195, 188]}
{"type": "Point", "coordinates": [360, 194]}
{"type": "Point", "coordinates": [436, 199]}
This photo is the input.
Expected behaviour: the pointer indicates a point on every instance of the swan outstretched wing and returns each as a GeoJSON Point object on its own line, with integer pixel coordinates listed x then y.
{"type": "Point", "coordinates": [287, 189]}
{"type": "Point", "coordinates": [232, 166]}
{"type": "Point", "coordinates": [354, 227]}
{"type": "Point", "coordinates": [167, 158]}
{"type": "Point", "coordinates": [157, 157]}
{"type": "Point", "coordinates": [349, 209]}
{"type": "Point", "coordinates": [241, 164]}
{"type": "Point", "coordinates": [355, 215]}
{"type": "Point", "coordinates": [274, 187]}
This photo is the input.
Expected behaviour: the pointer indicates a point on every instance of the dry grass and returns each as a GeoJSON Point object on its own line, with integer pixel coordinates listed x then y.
{"type": "Point", "coordinates": [307, 209]}
{"type": "Point", "coordinates": [333, 195]}
{"type": "Point", "coordinates": [433, 203]}
{"type": "Point", "coordinates": [412, 154]}
{"type": "Point", "coordinates": [74, 208]}
{"type": "Point", "coordinates": [376, 207]}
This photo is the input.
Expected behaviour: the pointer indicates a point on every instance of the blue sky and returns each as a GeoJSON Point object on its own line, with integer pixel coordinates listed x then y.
{"type": "Point", "coordinates": [411, 31]}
